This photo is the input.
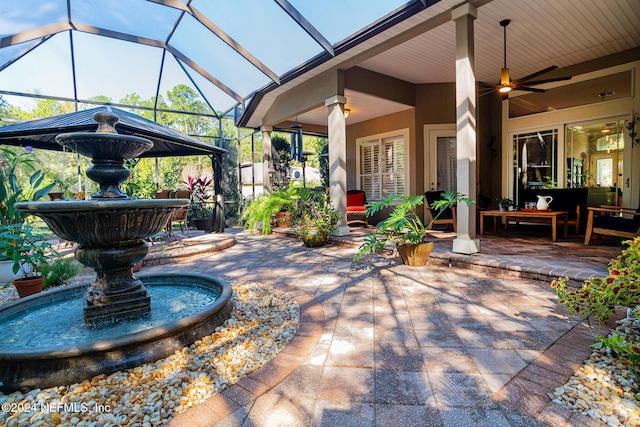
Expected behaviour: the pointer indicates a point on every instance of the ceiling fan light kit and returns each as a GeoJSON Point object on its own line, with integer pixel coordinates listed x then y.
{"type": "Point", "coordinates": [507, 85]}
{"type": "Point", "coordinates": [505, 81]}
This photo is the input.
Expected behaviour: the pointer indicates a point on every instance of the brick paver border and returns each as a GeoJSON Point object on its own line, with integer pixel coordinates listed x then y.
{"type": "Point", "coordinates": [220, 406]}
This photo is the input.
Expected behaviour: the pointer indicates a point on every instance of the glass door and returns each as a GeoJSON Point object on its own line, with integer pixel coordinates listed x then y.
{"type": "Point", "coordinates": [442, 161]}
{"type": "Point", "coordinates": [595, 152]}
{"type": "Point", "coordinates": [535, 157]}
{"type": "Point", "coordinates": [446, 177]}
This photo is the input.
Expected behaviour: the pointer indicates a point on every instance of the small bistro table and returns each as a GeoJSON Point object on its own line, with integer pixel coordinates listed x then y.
{"type": "Point", "coordinates": [527, 216]}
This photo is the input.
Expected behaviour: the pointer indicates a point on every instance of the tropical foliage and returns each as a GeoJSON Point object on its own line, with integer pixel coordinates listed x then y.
{"type": "Point", "coordinates": [600, 297]}
{"type": "Point", "coordinates": [201, 193]}
{"type": "Point", "coordinates": [14, 189]}
{"type": "Point", "coordinates": [143, 182]}
{"type": "Point", "coordinates": [404, 225]}
{"type": "Point", "coordinates": [260, 213]}
{"type": "Point", "coordinates": [59, 271]}
{"type": "Point", "coordinates": [26, 247]}
{"type": "Point", "coordinates": [314, 211]}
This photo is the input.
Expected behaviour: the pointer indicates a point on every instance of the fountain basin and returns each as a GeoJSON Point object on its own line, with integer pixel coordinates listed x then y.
{"type": "Point", "coordinates": [111, 235]}
{"type": "Point", "coordinates": [42, 367]}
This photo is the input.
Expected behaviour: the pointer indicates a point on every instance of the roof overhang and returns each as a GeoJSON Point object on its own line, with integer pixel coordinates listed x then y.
{"type": "Point", "coordinates": [423, 14]}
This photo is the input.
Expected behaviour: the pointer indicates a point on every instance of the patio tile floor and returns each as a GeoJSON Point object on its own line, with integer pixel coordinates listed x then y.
{"type": "Point", "coordinates": [385, 344]}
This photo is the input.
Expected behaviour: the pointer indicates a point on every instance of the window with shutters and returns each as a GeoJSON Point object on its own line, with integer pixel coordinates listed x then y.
{"type": "Point", "coordinates": [382, 164]}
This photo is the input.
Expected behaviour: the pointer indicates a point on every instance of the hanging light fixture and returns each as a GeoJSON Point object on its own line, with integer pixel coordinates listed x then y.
{"type": "Point", "coordinates": [296, 142]}
{"type": "Point", "coordinates": [505, 79]}
{"type": "Point", "coordinates": [346, 112]}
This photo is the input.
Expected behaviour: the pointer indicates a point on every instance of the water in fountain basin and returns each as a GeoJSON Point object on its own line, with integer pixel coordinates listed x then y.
{"type": "Point", "coordinates": [61, 323]}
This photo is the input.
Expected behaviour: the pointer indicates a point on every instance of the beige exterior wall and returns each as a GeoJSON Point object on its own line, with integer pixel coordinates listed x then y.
{"type": "Point", "coordinates": [379, 85]}
{"type": "Point", "coordinates": [396, 121]}
{"type": "Point", "coordinates": [435, 104]}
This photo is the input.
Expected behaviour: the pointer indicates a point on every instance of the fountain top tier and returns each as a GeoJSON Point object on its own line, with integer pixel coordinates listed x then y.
{"type": "Point", "coordinates": [108, 150]}
{"type": "Point", "coordinates": [106, 142]}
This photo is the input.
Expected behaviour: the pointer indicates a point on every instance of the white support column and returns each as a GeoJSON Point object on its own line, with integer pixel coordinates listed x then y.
{"type": "Point", "coordinates": [464, 16]}
{"type": "Point", "coordinates": [267, 158]}
{"type": "Point", "coordinates": [338, 159]}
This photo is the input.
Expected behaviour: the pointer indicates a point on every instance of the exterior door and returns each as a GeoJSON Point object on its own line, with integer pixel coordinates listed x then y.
{"type": "Point", "coordinates": [441, 159]}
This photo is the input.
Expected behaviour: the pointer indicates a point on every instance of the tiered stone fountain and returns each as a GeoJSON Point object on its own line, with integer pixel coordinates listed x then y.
{"type": "Point", "coordinates": [110, 228]}
{"type": "Point", "coordinates": [111, 231]}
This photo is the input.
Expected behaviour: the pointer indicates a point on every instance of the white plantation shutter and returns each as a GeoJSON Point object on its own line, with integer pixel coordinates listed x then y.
{"type": "Point", "coordinates": [370, 158]}
{"type": "Point", "coordinates": [371, 187]}
{"type": "Point", "coordinates": [389, 157]}
{"type": "Point", "coordinates": [370, 170]}
{"type": "Point", "coordinates": [382, 168]}
{"type": "Point", "coordinates": [399, 156]}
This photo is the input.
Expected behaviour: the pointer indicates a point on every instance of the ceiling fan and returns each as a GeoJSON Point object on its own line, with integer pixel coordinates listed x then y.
{"type": "Point", "coordinates": [526, 83]}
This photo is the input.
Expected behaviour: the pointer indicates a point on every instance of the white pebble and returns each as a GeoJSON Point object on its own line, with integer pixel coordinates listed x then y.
{"type": "Point", "coordinates": [262, 322]}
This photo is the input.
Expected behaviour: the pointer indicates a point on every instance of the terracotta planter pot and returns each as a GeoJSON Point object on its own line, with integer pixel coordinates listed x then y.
{"type": "Point", "coordinates": [415, 254]}
{"type": "Point", "coordinates": [29, 285]}
{"type": "Point", "coordinates": [283, 219]}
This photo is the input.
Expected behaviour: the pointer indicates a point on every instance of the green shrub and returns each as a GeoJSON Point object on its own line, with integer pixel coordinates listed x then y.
{"type": "Point", "coordinates": [260, 212]}
{"type": "Point", "coordinates": [59, 271]}
{"type": "Point", "coordinates": [600, 297]}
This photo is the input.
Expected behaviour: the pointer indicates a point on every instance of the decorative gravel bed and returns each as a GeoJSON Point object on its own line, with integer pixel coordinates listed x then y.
{"type": "Point", "coordinates": [605, 387]}
{"type": "Point", "coordinates": [262, 322]}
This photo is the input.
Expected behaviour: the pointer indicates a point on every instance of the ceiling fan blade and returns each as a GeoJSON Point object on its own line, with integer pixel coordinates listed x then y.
{"type": "Point", "coordinates": [536, 74]}
{"type": "Point", "coordinates": [539, 82]}
{"type": "Point", "coordinates": [530, 89]}
{"type": "Point", "coordinates": [488, 92]}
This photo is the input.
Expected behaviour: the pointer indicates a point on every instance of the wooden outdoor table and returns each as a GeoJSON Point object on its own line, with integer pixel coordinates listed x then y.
{"type": "Point", "coordinates": [528, 215]}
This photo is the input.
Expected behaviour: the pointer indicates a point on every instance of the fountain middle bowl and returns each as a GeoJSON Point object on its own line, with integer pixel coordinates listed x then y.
{"type": "Point", "coordinates": [96, 223]}
{"type": "Point", "coordinates": [28, 368]}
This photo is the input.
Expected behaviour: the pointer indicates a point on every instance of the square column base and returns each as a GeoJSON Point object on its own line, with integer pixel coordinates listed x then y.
{"type": "Point", "coordinates": [466, 246]}
{"type": "Point", "coordinates": [342, 230]}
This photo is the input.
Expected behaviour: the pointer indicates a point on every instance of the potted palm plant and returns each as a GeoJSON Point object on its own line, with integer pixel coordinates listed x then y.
{"type": "Point", "coordinates": [404, 226]}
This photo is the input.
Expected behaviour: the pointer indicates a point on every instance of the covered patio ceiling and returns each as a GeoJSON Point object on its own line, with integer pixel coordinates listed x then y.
{"type": "Point", "coordinates": [245, 53]}
{"type": "Point", "coordinates": [421, 50]}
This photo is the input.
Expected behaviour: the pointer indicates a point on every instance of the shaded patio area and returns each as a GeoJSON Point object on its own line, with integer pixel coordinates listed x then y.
{"type": "Point", "coordinates": [380, 343]}
{"type": "Point", "coordinates": [384, 344]}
